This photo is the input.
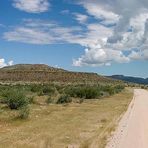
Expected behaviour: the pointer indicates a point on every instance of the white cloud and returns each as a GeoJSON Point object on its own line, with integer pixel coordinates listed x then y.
{"type": "Point", "coordinates": [10, 63]}
{"type": "Point", "coordinates": [129, 33]}
{"type": "Point", "coordinates": [81, 18]}
{"type": "Point", "coordinates": [94, 39]}
{"type": "Point", "coordinates": [3, 63]}
{"type": "Point", "coordinates": [29, 35]}
{"type": "Point", "coordinates": [41, 32]}
{"type": "Point", "coordinates": [99, 11]}
{"type": "Point", "coordinates": [100, 57]}
{"type": "Point", "coordinates": [104, 42]}
{"type": "Point", "coordinates": [32, 6]}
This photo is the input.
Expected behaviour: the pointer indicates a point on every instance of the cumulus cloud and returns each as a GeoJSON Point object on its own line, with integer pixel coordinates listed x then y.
{"type": "Point", "coordinates": [100, 57]}
{"type": "Point", "coordinates": [128, 25]}
{"type": "Point", "coordinates": [3, 63]}
{"type": "Point", "coordinates": [32, 6]}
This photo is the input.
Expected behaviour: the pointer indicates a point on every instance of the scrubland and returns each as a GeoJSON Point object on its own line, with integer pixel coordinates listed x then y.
{"type": "Point", "coordinates": [60, 116]}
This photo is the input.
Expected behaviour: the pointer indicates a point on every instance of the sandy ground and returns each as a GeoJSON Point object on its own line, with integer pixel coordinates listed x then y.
{"type": "Point", "coordinates": [132, 131]}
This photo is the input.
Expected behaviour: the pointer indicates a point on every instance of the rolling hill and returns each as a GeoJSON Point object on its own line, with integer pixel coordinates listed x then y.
{"type": "Point", "coordinates": [45, 74]}
{"type": "Point", "coordinates": [130, 79]}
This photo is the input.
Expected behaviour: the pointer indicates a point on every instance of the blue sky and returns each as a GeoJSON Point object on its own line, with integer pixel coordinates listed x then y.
{"type": "Point", "coordinates": [79, 35]}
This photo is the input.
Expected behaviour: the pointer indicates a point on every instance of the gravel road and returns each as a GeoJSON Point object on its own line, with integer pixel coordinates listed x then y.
{"type": "Point", "coordinates": [132, 131]}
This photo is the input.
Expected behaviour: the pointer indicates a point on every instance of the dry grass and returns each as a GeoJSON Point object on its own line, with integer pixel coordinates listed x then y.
{"type": "Point", "coordinates": [55, 126]}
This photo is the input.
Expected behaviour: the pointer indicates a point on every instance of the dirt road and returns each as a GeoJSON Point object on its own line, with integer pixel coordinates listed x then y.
{"type": "Point", "coordinates": [132, 131]}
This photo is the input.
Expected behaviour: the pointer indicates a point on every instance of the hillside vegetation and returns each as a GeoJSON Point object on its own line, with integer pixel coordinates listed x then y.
{"type": "Point", "coordinates": [40, 73]}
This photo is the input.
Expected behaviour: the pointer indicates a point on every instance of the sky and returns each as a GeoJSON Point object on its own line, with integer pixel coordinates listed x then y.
{"type": "Point", "coordinates": [102, 36]}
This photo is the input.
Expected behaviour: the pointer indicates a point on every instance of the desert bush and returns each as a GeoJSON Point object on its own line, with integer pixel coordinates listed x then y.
{"type": "Point", "coordinates": [31, 100]}
{"type": "Point", "coordinates": [114, 89]}
{"type": "Point", "coordinates": [15, 99]}
{"type": "Point", "coordinates": [49, 100]}
{"type": "Point", "coordinates": [118, 88]}
{"type": "Point", "coordinates": [40, 93]}
{"type": "Point", "coordinates": [42, 89]}
{"type": "Point", "coordinates": [48, 90]}
{"type": "Point", "coordinates": [81, 100]}
{"type": "Point", "coordinates": [91, 93]}
{"type": "Point", "coordinates": [142, 87]}
{"type": "Point", "coordinates": [35, 88]}
{"type": "Point", "coordinates": [60, 89]}
{"type": "Point", "coordinates": [24, 112]}
{"type": "Point", "coordinates": [86, 92]}
{"type": "Point", "coordinates": [109, 89]}
{"type": "Point", "coordinates": [64, 99]}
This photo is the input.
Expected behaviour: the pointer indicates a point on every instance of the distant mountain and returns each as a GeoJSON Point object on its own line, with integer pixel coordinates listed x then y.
{"type": "Point", "coordinates": [130, 79]}
{"type": "Point", "coordinates": [44, 73]}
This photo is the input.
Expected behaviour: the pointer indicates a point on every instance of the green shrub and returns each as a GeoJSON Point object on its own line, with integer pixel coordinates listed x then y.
{"type": "Point", "coordinates": [86, 92]}
{"type": "Point", "coordinates": [15, 99]}
{"type": "Point", "coordinates": [47, 90]}
{"type": "Point", "coordinates": [35, 88]}
{"type": "Point", "coordinates": [64, 99]}
{"type": "Point", "coordinates": [31, 100]}
{"type": "Point", "coordinates": [49, 100]}
{"type": "Point", "coordinates": [24, 112]}
{"type": "Point", "coordinates": [109, 89]}
{"type": "Point", "coordinates": [119, 88]}
{"type": "Point", "coordinates": [58, 87]}
{"type": "Point", "coordinates": [91, 93]}
{"type": "Point", "coordinates": [42, 89]}
{"type": "Point", "coordinates": [40, 93]}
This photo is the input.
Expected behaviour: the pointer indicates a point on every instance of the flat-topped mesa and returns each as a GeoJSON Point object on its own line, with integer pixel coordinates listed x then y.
{"type": "Point", "coordinates": [40, 73]}
{"type": "Point", "coordinates": [31, 67]}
